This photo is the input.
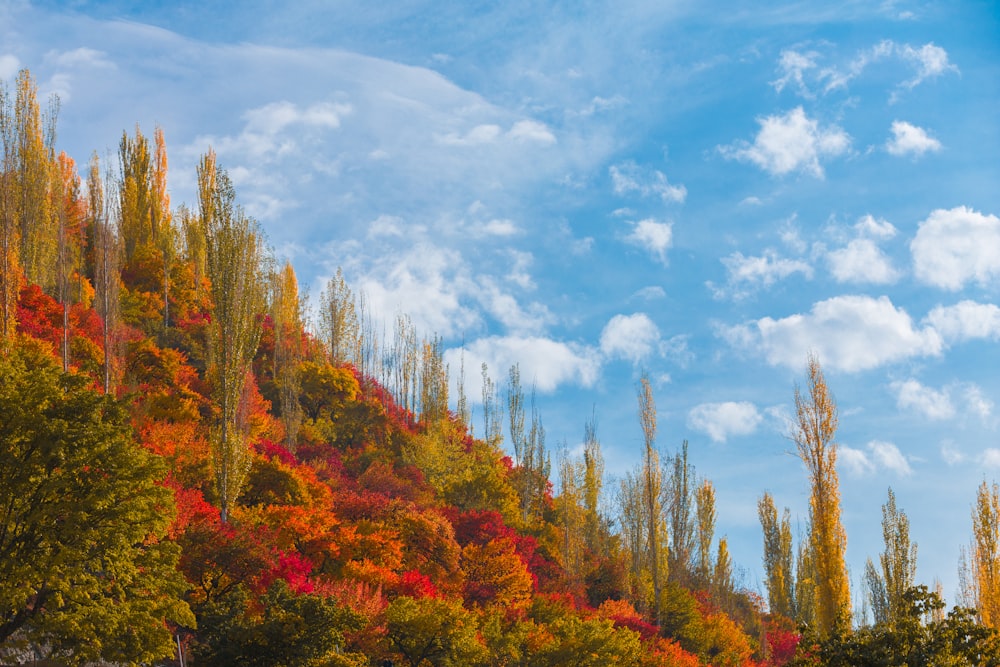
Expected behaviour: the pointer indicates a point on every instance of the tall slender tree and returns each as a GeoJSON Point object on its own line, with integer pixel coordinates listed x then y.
{"type": "Point", "coordinates": [105, 260]}
{"type": "Point", "coordinates": [888, 584]}
{"type": "Point", "coordinates": [985, 576]}
{"type": "Point", "coordinates": [705, 530]}
{"type": "Point", "coordinates": [813, 435]}
{"type": "Point", "coordinates": [652, 489]}
{"type": "Point", "coordinates": [235, 255]}
{"type": "Point", "coordinates": [10, 232]}
{"type": "Point", "coordinates": [680, 507]}
{"type": "Point", "coordinates": [286, 316]}
{"type": "Point", "coordinates": [777, 557]}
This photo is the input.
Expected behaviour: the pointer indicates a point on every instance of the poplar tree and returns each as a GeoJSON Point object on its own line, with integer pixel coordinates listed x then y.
{"type": "Point", "coordinates": [888, 584]}
{"type": "Point", "coordinates": [286, 316]}
{"type": "Point", "coordinates": [985, 576]}
{"type": "Point", "coordinates": [777, 557]}
{"type": "Point", "coordinates": [10, 237]}
{"type": "Point", "coordinates": [704, 530]}
{"type": "Point", "coordinates": [235, 259]}
{"type": "Point", "coordinates": [652, 489]}
{"type": "Point", "coordinates": [135, 193]}
{"type": "Point", "coordinates": [680, 501]}
{"type": "Point", "coordinates": [34, 137]}
{"type": "Point", "coordinates": [813, 435]}
{"type": "Point", "coordinates": [339, 320]}
{"type": "Point", "coordinates": [164, 232]}
{"type": "Point", "coordinates": [593, 480]}
{"type": "Point", "coordinates": [105, 261]}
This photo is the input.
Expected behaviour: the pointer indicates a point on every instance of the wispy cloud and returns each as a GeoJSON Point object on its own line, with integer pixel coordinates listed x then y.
{"type": "Point", "coordinates": [654, 236]}
{"type": "Point", "coordinates": [877, 456]}
{"type": "Point", "coordinates": [629, 178]}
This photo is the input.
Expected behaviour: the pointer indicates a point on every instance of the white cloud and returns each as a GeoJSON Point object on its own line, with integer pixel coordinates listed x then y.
{"type": "Point", "coordinates": [951, 454]}
{"type": "Point", "coordinates": [966, 320]}
{"type": "Point", "coordinates": [977, 403]}
{"type": "Point", "coordinates": [880, 455]}
{"type": "Point", "coordinates": [910, 140]}
{"type": "Point", "coordinates": [990, 458]}
{"type": "Point", "coordinates": [506, 309]}
{"type": "Point", "coordinates": [500, 228]}
{"type": "Point", "coordinates": [791, 142]}
{"type": "Point", "coordinates": [876, 228]}
{"type": "Point", "coordinates": [480, 134]}
{"type": "Point", "coordinates": [855, 460]}
{"type": "Point", "coordinates": [9, 66]}
{"type": "Point", "coordinates": [633, 337]}
{"type": "Point", "coordinates": [81, 57]}
{"type": "Point", "coordinates": [722, 420]}
{"type": "Point", "coordinates": [552, 363]}
{"type": "Point", "coordinates": [849, 333]}
{"type": "Point", "coordinates": [956, 246]}
{"type": "Point", "coordinates": [649, 293]}
{"type": "Point", "coordinates": [655, 237]}
{"type": "Point", "coordinates": [629, 177]}
{"type": "Point", "coordinates": [746, 274]}
{"type": "Point", "coordinates": [862, 261]}
{"type": "Point", "coordinates": [532, 131]}
{"type": "Point", "coordinates": [929, 402]}
{"type": "Point", "coordinates": [930, 60]}
{"type": "Point", "coordinates": [793, 65]}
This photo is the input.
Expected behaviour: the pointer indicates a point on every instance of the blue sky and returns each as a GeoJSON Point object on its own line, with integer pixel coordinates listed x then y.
{"type": "Point", "coordinates": [705, 191]}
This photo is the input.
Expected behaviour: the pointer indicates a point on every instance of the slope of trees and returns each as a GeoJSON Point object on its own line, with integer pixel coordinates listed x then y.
{"type": "Point", "coordinates": [188, 472]}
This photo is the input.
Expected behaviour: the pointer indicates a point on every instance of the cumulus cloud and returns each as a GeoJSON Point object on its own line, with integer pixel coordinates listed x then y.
{"type": "Point", "coordinates": [628, 178]}
{"type": "Point", "coordinates": [956, 246]}
{"type": "Point", "coordinates": [966, 320]}
{"type": "Point", "coordinates": [633, 337]}
{"type": "Point", "coordinates": [655, 237]}
{"type": "Point", "coordinates": [722, 420]}
{"type": "Point", "coordinates": [929, 402]}
{"type": "Point", "coordinates": [747, 274]}
{"type": "Point", "coordinates": [910, 140]}
{"type": "Point", "coordinates": [790, 142]}
{"type": "Point", "coordinates": [849, 333]}
{"type": "Point", "coordinates": [552, 363]}
{"type": "Point", "coordinates": [531, 131]}
{"type": "Point", "coordinates": [944, 403]}
{"type": "Point", "coordinates": [878, 455]}
{"type": "Point", "coordinates": [862, 261]}
{"type": "Point", "coordinates": [875, 228]}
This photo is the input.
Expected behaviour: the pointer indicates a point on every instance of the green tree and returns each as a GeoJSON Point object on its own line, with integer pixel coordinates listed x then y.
{"type": "Point", "coordinates": [432, 631]}
{"type": "Point", "coordinates": [235, 258]}
{"type": "Point", "coordinates": [84, 569]}
{"type": "Point", "coordinates": [887, 587]}
{"type": "Point", "coordinates": [10, 233]}
{"type": "Point", "coordinates": [777, 557]}
{"type": "Point", "coordinates": [286, 315]}
{"type": "Point", "coordinates": [705, 530]}
{"type": "Point", "coordinates": [680, 501]}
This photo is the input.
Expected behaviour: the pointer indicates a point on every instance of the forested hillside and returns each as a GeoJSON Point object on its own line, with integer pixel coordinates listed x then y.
{"type": "Point", "coordinates": [193, 473]}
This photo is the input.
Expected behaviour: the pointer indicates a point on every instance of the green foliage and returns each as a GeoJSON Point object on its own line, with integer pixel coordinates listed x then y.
{"type": "Point", "coordinates": [912, 641]}
{"type": "Point", "coordinates": [433, 631]}
{"type": "Point", "coordinates": [288, 631]}
{"type": "Point", "coordinates": [83, 569]}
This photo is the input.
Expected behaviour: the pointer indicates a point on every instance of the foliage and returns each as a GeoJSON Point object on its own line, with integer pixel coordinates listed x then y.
{"type": "Point", "coordinates": [84, 568]}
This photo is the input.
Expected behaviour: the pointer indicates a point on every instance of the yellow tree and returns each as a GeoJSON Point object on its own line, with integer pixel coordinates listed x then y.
{"type": "Point", "coordinates": [105, 261]}
{"type": "Point", "coordinates": [33, 137]}
{"type": "Point", "coordinates": [704, 530]}
{"type": "Point", "coordinates": [985, 578]}
{"type": "Point", "coordinates": [164, 231]}
{"type": "Point", "coordinates": [888, 585]}
{"type": "Point", "coordinates": [813, 434]}
{"type": "Point", "coordinates": [652, 490]}
{"type": "Point", "coordinates": [10, 236]}
{"type": "Point", "coordinates": [235, 259]}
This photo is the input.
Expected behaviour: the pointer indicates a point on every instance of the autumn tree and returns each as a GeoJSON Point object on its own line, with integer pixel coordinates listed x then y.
{"type": "Point", "coordinates": [235, 259]}
{"type": "Point", "coordinates": [704, 530]}
{"type": "Point", "coordinates": [339, 320]}
{"type": "Point", "coordinates": [593, 481]}
{"type": "Point", "coordinates": [10, 236]}
{"type": "Point", "coordinates": [651, 480]}
{"type": "Point", "coordinates": [84, 567]}
{"type": "Point", "coordinates": [679, 502]}
{"type": "Point", "coordinates": [813, 435]}
{"type": "Point", "coordinates": [985, 566]}
{"type": "Point", "coordinates": [888, 584]}
{"type": "Point", "coordinates": [105, 258]}
{"type": "Point", "coordinates": [286, 316]}
{"type": "Point", "coordinates": [70, 216]}
{"type": "Point", "coordinates": [34, 136]}
{"type": "Point", "coordinates": [777, 556]}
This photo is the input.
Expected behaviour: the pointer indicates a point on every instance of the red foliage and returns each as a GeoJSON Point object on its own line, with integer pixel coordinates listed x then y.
{"type": "Point", "coordinates": [417, 585]}
{"type": "Point", "coordinates": [478, 526]}
{"type": "Point", "coordinates": [273, 450]}
{"type": "Point", "coordinates": [294, 569]}
{"type": "Point", "coordinates": [782, 642]}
